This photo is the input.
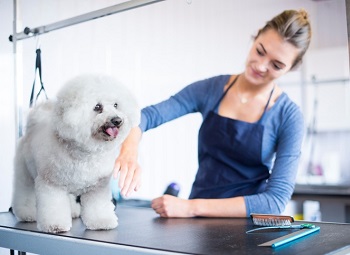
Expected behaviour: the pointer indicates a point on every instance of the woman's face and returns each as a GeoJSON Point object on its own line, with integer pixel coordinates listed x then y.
{"type": "Point", "coordinates": [269, 58]}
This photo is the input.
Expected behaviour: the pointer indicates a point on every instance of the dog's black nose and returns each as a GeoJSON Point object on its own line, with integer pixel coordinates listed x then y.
{"type": "Point", "coordinates": [117, 121]}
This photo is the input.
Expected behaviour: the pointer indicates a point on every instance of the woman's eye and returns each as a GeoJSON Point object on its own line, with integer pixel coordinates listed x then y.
{"type": "Point", "coordinates": [98, 108]}
{"type": "Point", "coordinates": [259, 52]}
{"type": "Point", "coordinates": [276, 67]}
{"type": "Point", "coordinates": [116, 105]}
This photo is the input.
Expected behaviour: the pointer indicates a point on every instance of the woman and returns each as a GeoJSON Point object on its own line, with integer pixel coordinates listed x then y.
{"type": "Point", "coordinates": [250, 139]}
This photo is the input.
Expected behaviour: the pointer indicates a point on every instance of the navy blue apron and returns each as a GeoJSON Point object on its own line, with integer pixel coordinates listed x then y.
{"type": "Point", "coordinates": [229, 157]}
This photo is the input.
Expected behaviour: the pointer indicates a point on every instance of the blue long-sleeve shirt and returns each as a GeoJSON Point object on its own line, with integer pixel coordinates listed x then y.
{"type": "Point", "coordinates": [282, 138]}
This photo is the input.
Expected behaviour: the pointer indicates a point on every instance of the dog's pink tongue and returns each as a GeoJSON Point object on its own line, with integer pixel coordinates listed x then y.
{"type": "Point", "coordinates": [112, 131]}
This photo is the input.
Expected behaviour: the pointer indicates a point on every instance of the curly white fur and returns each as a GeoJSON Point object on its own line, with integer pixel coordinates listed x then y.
{"type": "Point", "coordinates": [69, 150]}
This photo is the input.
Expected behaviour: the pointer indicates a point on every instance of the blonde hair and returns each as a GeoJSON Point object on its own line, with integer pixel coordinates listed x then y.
{"type": "Point", "coordinates": [294, 27]}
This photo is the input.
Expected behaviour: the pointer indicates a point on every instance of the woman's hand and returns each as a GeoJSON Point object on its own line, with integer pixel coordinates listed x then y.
{"type": "Point", "coordinates": [129, 173]}
{"type": "Point", "coordinates": [169, 206]}
{"type": "Point", "coordinates": [126, 164]}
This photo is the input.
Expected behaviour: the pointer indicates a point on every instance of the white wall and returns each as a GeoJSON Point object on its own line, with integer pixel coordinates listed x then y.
{"type": "Point", "coordinates": [7, 119]}
{"type": "Point", "coordinates": [155, 50]}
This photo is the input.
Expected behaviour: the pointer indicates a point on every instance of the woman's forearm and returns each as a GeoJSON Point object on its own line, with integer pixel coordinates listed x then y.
{"type": "Point", "coordinates": [173, 207]}
{"type": "Point", "coordinates": [131, 143]}
{"type": "Point", "coordinates": [225, 207]}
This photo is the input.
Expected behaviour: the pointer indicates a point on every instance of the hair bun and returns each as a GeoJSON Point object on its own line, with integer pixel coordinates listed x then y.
{"type": "Point", "coordinates": [304, 14]}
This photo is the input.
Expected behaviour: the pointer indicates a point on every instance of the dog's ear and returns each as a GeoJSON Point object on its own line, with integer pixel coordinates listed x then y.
{"type": "Point", "coordinates": [132, 111]}
{"type": "Point", "coordinates": [66, 119]}
{"type": "Point", "coordinates": [129, 105]}
{"type": "Point", "coordinates": [70, 117]}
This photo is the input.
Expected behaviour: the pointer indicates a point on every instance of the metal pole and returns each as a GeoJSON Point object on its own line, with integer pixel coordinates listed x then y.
{"type": "Point", "coordinates": [28, 32]}
{"type": "Point", "coordinates": [17, 90]}
{"type": "Point", "coordinates": [347, 5]}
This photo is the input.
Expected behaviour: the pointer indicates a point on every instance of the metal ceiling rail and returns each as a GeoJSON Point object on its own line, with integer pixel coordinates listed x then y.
{"type": "Point", "coordinates": [129, 5]}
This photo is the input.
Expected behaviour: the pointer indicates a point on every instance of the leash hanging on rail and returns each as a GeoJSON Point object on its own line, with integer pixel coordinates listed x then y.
{"type": "Point", "coordinates": [42, 88]}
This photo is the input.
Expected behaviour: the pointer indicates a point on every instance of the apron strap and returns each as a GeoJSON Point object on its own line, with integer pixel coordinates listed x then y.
{"type": "Point", "coordinates": [224, 94]}
{"type": "Point", "coordinates": [268, 102]}
{"type": "Point", "coordinates": [233, 82]}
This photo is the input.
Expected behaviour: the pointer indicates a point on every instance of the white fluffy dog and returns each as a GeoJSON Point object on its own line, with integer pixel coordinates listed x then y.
{"type": "Point", "coordinates": [69, 150]}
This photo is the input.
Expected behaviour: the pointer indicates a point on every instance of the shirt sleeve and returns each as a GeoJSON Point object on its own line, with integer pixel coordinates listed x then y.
{"type": "Point", "coordinates": [281, 183]}
{"type": "Point", "coordinates": [196, 97]}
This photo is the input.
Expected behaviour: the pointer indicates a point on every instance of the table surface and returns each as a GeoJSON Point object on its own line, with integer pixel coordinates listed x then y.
{"type": "Point", "coordinates": [322, 189]}
{"type": "Point", "coordinates": [141, 231]}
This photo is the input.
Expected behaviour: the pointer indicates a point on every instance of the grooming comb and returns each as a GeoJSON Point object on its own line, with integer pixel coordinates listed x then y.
{"type": "Point", "coordinates": [271, 219]}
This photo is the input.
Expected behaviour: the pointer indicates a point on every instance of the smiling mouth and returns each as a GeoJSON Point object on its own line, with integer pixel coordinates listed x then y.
{"type": "Point", "coordinates": [256, 73]}
{"type": "Point", "coordinates": [111, 131]}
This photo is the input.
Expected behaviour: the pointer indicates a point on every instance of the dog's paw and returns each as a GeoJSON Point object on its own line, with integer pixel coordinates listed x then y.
{"type": "Point", "coordinates": [101, 222]}
{"type": "Point", "coordinates": [55, 227]}
{"type": "Point", "coordinates": [54, 223]}
{"type": "Point", "coordinates": [27, 214]}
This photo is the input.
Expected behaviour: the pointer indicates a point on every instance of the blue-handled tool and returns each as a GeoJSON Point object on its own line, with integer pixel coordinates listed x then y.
{"type": "Point", "coordinates": [291, 237]}
{"type": "Point", "coordinates": [306, 225]}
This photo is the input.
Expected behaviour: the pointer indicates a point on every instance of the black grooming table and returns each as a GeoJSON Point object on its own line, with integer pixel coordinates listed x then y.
{"type": "Point", "coordinates": [141, 231]}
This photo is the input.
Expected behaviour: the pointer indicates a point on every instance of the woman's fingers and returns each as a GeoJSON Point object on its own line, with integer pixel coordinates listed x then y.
{"type": "Point", "coordinates": [132, 179]}
{"type": "Point", "coordinates": [129, 178]}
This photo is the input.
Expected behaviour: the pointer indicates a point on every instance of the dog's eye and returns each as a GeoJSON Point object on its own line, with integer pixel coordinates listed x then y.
{"type": "Point", "coordinates": [116, 105]}
{"type": "Point", "coordinates": [98, 108]}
